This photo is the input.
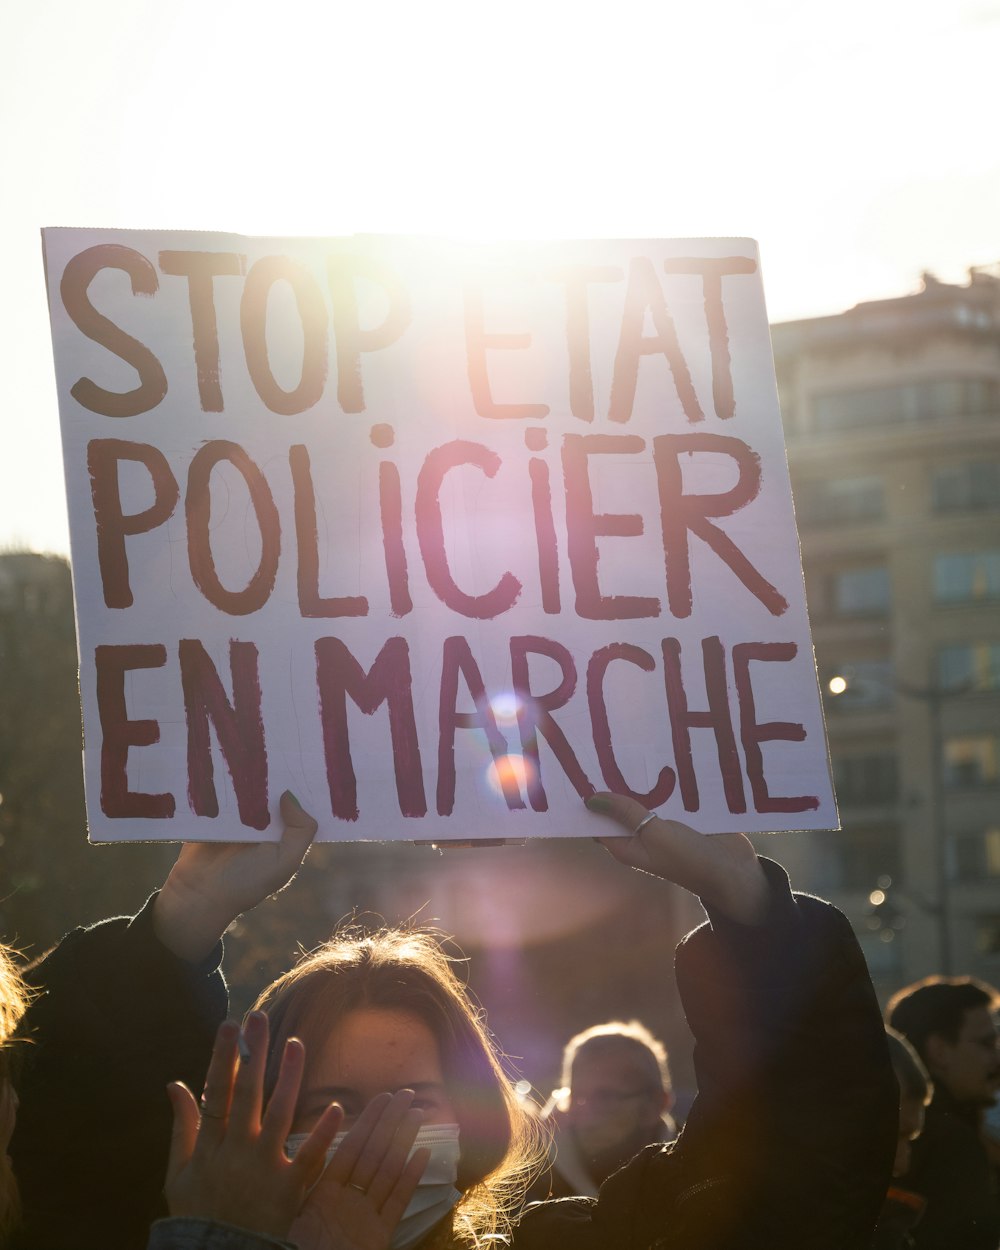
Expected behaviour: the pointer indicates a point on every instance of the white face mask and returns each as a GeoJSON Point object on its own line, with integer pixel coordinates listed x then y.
{"type": "Point", "coordinates": [434, 1196]}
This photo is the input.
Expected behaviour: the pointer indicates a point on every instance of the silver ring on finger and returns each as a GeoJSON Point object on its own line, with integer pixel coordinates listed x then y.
{"type": "Point", "coordinates": [360, 1188]}
{"type": "Point", "coordinates": [643, 823]}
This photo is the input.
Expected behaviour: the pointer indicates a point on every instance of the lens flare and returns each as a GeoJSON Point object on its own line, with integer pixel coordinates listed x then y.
{"type": "Point", "coordinates": [512, 771]}
{"type": "Point", "coordinates": [504, 707]}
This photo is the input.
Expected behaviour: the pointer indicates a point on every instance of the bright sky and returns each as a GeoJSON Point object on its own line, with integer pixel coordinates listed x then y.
{"type": "Point", "coordinates": [856, 141]}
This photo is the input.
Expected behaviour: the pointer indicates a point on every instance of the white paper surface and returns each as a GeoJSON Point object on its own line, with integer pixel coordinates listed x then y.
{"type": "Point", "coordinates": [384, 520]}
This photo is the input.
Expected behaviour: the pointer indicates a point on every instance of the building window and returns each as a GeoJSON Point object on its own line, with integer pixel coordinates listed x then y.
{"type": "Point", "coordinates": [912, 401]}
{"type": "Point", "coordinates": [969, 666]}
{"type": "Point", "coordinates": [977, 855]}
{"type": "Point", "coordinates": [866, 780]}
{"type": "Point", "coordinates": [882, 958]}
{"type": "Point", "coordinates": [867, 855]}
{"type": "Point", "coordinates": [988, 935]}
{"type": "Point", "coordinates": [972, 762]}
{"type": "Point", "coordinates": [966, 576]}
{"type": "Point", "coordinates": [861, 592]}
{"type": "Point", "coordinates": [839, 500]}
{"type": "Point", "coordinates": [971, 486]}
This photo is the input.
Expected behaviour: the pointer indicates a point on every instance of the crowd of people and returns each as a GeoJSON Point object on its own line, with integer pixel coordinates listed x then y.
{"type": "Point", "coordinates": [362, 1104]}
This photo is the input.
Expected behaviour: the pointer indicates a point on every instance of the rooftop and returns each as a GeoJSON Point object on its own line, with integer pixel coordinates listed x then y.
{"type": "Point", "coordinates": [938, 307]}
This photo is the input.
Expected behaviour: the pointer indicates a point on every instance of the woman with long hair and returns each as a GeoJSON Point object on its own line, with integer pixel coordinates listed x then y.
{"type": "Point", "coordinates": [384, 1011]}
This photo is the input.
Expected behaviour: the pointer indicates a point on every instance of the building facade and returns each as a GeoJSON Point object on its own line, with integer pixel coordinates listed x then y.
{"type": "Point", "coordinates": [892, 415]}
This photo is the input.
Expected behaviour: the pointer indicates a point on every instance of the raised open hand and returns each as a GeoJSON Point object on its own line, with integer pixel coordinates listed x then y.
{"type": "Point", "coordinates": [721, 868]}
{"type": "Point", "coordinates": [212, 883]}
{"type": "Point", "coordinates": [227, 1161]}
{"type": "Point", "coordinates": [368, 1183]}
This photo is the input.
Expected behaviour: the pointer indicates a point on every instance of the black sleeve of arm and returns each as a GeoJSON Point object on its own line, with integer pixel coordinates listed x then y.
{"type": "Point", "coordinates": [797, 1112]}
{"type": "Point", "coordinates": [118, 1016]}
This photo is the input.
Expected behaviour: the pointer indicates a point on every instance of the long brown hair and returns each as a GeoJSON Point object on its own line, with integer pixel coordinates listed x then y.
{"type": "Point", "coordinates": [14, 999]}
{"type": "Point", "coordinates": [408, 969]}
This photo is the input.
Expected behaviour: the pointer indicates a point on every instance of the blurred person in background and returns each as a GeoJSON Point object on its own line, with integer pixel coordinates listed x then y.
{"type": "Point", "coordinates": [948, 1022]}
{"type": "Point", "coordinates": [991, 1134]}
{"type": "Point", "coordinates": [614, 1099]}
{"type": "Point", "coordinates": [903, 1208]}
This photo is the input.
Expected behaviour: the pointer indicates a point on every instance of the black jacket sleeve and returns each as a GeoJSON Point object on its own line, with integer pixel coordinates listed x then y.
{"type": "Point", "coordinates": [790, 1141]}
{"type": "Point", "coordinates": [195, 1234]}
{"type": "Point", "coordinates": [118, 1016]}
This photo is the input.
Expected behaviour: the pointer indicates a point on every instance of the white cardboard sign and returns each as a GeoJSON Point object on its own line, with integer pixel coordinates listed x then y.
{"type": "Point", "coordinates": [439, 537]}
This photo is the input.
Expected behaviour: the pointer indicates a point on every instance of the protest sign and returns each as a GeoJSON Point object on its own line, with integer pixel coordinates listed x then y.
{"type": "Point", "coordinates": [440, 537]}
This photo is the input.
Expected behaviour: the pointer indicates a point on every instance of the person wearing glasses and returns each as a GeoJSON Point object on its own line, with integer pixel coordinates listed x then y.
{"type": "Point", "coordinates": [615, 1098]}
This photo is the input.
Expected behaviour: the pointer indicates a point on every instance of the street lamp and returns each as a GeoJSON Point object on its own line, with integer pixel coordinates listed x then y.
{"type": "Point", "coordinates": [933, 698]}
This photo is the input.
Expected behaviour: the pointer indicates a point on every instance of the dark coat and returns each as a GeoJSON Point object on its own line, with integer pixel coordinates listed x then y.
{"type": "Point", "coordinates": [118, 1017]}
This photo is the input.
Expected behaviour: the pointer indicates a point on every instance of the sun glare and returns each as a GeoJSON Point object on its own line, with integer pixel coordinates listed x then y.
{"type": "Point", "coordinates": [510, 771]}
{"type": "Point", "coordinates": [505, 707]}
